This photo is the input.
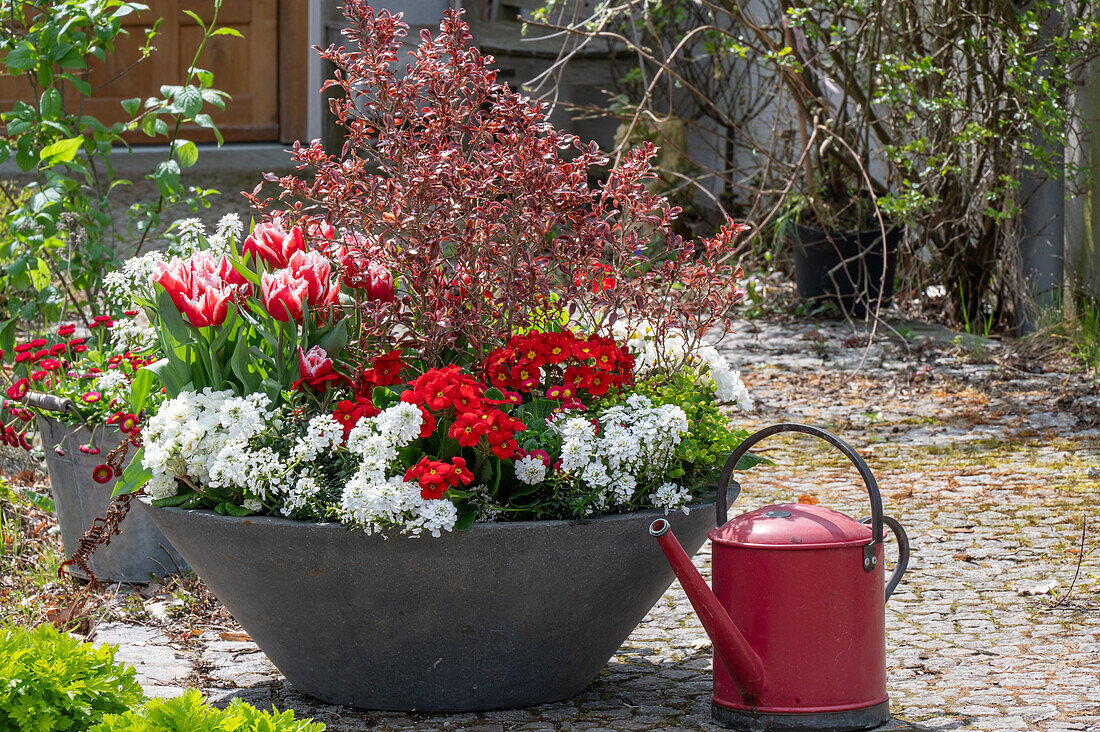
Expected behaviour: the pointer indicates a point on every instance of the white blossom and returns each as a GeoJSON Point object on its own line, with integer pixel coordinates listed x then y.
{"type": "Point", "coordinates": [112, 383]}
{"type": "Point", "coordinates": [635, 445]}
{"type": "Point", "coordinates": [670, 496]}
{"type": "Point", "coordinates": [530, 470]}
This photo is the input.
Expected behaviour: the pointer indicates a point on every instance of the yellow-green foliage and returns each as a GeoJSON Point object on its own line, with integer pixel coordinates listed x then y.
{"type": "Point", "coordinates": [190, 713]}
{"type": "Point", "coordinates": [52, 682]}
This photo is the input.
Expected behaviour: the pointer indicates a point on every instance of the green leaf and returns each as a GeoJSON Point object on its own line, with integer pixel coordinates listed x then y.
{"type": "Point", "coordinates": [242, 366]}
{"type": "Point", "coordinates": [193, 16]}
{"type": "Point", "coordinates": [131, 105]}
{"type": "Point", "coordinates": [228, 32]}
{"type": "Point", "coordinates": [334, 341]}
{"type": "Point", "coordinates": [749, 460]}
{"type": "Point", "coordinates": [44, 502]}
{"type": "Point", "coordinates": [173, 500]}
{"type": "Point", "coordinates": [21, 58]}
{"type": "Point", "coordinates": [73, 59]}
{"type": "Point", "coordinates": [168, 377]}
{"type": "Point", "coordinates": [189, 100]}
{"type": "Point", "coordinates": [465, 521]}
{"type": "Point", "coordinates": [140, 387]}
{"type": "Point", "coordinates": [81, 86]}
{"type": "Point", "coordinates": [187, 153]}
{"type": "Point", "coordinates": [235, 510]}
{"type": "Point", "coordinates": [26, 157]}
{"type": "Point", "coordinates": [49, 105]}
{"type": "Point", "coordinates": [134, 476]}
{"type": "Point", "coordinates": [167, 178]}
{"type": "Point", "coordinates": [204, 120]}
{"type": "Point", "coordinates": [61, 151]}
{"type": "Point", "coordinates": [214, 96]}
{"type": "Point", "coordinates": [7, 337]}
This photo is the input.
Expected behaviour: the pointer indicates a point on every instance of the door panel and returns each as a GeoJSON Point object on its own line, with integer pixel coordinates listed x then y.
{"type": "Point", "coordinates": [246, 68]}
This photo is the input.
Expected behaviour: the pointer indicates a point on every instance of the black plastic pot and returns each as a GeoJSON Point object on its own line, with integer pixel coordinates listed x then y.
{"type": "Point", "coordinates": [139, 551]}
{"type": "Point", "coordinates": [847, 268]}
{"type": "Point", "coordinates": [502, 615]}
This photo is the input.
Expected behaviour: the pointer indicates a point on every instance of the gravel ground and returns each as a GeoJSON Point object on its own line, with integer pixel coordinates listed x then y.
{"type": "Point", "coordinates": [987, 456]}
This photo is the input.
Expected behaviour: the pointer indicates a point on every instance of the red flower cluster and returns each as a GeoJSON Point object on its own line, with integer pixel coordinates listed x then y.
{"type": "Point", "coordinates": [13, 438]}
{"type": "Point", "coordinates": [594, 364]}
{"type": "Point", "coordinates": [202, 287]}
{"type": "Point", "coordinates": [436, 476]}
{"type": "Point", "coordinates": [385, 370]}
{"type": "Point", "coordinates": [475, 417]}
{"type": "Point", "coordinates": [348, 413]}
{"type": "Point", "coordinates": [127, 422]}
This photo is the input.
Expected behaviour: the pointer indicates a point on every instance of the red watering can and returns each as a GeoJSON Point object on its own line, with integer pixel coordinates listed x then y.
{"type": "Point", "coordinates": [797, 615]}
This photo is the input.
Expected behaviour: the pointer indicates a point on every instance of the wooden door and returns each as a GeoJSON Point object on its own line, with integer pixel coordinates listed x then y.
{"type": "Point", "coordinates": [247, 68]}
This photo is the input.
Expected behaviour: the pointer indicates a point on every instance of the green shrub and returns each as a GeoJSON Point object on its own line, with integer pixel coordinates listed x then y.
{"type": "Point", "coordinates": [190, 713]}
{"type": "Point", "coordinates": [52, 682]}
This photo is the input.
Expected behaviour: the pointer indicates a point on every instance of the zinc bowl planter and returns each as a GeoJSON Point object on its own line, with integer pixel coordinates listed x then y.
{"type": "Point", "coordinates": [501, 615]}
{"type": "Point", "coordinates": [140, 550]}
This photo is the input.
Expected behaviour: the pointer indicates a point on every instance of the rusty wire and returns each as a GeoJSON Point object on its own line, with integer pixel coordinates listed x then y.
{"type": "Point", "coordinates": [105, 527]}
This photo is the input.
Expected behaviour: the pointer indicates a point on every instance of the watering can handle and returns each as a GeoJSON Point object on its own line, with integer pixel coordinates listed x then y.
{"type": "Point", "coordinates": [903, 552]}
{"type": "Point", "coordinates": [870, 552]}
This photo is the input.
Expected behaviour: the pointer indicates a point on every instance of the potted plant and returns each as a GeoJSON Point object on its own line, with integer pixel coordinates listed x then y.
{"type": "Point", "coordinates": [75, 389]}
{"type": "Point", "coordinates": [414, 429]}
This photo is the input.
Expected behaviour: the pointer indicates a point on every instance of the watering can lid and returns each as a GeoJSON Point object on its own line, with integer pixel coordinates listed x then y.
{"type": "Point", "coordinates": [792, 526]}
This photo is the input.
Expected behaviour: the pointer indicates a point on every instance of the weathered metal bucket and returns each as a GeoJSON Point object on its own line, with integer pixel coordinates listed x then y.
{"type": "Point", "coordinates": [140, 550]}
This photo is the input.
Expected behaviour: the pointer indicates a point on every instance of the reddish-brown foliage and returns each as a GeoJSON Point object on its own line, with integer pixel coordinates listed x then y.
{"type": "Point", "coordinates": [483, 211]}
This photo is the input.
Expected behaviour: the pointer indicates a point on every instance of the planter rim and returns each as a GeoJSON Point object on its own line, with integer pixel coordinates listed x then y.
{"type": "Point", "coordinates": [479, 526]}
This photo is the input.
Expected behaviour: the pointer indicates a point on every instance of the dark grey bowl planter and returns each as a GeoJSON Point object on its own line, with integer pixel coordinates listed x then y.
{"type": "Point", "coordinates": [502, 615]}
{"type": "Point", "coordinates": [139, 551]}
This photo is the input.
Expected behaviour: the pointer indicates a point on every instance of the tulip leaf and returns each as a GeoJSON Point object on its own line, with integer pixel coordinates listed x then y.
{"type": "Point", "coordinates": [334, 341]}
{"type": "Point", "coordinates": [140, 387]}
{"type": "Point", "coordinates": [168, 375]}
{"type": "Point", "coordinates": [170, 317]}
{"type": "Point", "coordinates": [224, 330]}
{"type": "Point", "coordinates": [242, 366]}
{"type": "Point", "coordinates": [133, 477]}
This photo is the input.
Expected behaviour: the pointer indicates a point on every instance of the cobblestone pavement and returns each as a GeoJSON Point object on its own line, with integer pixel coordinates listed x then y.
{"type": "Point", "coordinates": [989, 459]}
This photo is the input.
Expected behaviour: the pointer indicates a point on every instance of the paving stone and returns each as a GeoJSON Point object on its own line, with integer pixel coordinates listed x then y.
{"type": "Point", "coordinates": [985, 465]}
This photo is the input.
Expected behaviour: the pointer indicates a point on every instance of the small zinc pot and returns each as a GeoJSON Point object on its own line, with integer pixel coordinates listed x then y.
{"type": "Point", "coordinates": [140, 550]}
{"type": "Point", "coordinates": [850, 268]}
{"type": "Point", "coordinates": [501, 615]}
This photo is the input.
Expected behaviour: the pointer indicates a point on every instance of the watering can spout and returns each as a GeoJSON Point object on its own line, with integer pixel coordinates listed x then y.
{"type": "Point", "coordinates": [741, 661]}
